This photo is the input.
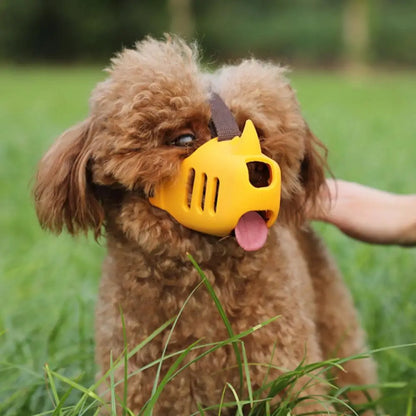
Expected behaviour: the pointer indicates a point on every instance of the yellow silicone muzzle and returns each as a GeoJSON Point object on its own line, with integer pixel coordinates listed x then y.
{"type": "Point", "coordinates": [213, 190]}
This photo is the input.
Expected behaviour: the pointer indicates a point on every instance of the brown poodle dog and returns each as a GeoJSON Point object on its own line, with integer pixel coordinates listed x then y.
{"type": "Point", "coordinates": [151, 113]}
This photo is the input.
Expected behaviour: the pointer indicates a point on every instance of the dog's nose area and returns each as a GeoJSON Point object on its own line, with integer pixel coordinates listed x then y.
{"type": "Point", "coordinates": [259, 174]}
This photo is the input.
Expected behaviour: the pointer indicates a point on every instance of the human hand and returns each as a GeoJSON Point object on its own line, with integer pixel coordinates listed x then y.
{"type": "Point", "coordinates": [367, 214]}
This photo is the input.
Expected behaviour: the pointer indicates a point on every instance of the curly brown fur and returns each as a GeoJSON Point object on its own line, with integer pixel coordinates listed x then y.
{"type": "Point", "coordinates": [99, 174]}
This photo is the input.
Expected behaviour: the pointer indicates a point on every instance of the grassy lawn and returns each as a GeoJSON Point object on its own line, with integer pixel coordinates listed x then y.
{"type": "Point", "coordinates": [48, 285]}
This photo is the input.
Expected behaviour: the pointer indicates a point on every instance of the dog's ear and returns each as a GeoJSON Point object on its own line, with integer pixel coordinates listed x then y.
{"type": "Point", "coordinates": [63, 195]}
{"type": "Point", "coordinates": [313, 166]}
{"type": "Point", "coordinates": [312, 171]}
{"type": "Point", "coordinates": [302, 190]}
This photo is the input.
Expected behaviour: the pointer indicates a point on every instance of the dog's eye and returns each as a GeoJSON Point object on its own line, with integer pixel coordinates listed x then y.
{"type": "Point", "coordinates": [184, 140]}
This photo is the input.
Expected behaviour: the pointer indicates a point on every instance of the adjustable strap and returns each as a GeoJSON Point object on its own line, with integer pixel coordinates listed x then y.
{"type": "Point", "coordinates": [222, 122]}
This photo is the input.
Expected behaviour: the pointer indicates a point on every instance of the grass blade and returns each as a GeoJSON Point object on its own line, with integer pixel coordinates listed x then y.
{"type": "Point", "coordinates": [409, 410]}
{"type": "Point", "coordinates": [228, 341]}
{"type": "Point", "coordinates": [148, 409]}
{"type": "Point", "coordinates": [162, 358]}
{"type": "Point", "coordinates": [52, 385]}
{"type": "Point", "coordinates": [220, 407]}
{"type": "Point", "coordinates": [112, 387]}
{"type": "Point", "coordinates": [247, 373]}
{"type": "Point", "coordinates": [224, 317]}
{"type": "Point", "coordinates": [237, 399]}
{"type": "Point", "coordinates": [87, 391]}
{"type": "Point", "coordinates": [125, 360]}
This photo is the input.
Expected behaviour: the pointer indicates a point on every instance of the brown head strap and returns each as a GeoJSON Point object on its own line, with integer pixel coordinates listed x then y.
{"type": "Point", "coordinates": [222, 120]}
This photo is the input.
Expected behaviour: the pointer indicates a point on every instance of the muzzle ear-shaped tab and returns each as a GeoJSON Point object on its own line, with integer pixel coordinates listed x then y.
{"type": "Point", "coordinates": [213, 190]}
{"type": "Point", "coordinates": [248, 142]}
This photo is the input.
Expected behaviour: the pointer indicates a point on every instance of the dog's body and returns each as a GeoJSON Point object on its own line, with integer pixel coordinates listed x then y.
{"type": "Point", "coordinates": [101, 172]}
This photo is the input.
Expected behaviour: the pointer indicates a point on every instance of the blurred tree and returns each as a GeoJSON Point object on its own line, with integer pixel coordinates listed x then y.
{"type": "Point", "coordinates": [181, 18]}
{"type": "Point", "coordinates": [316, 32]}
{"type": "Point", "coordinates": [306, 31]}
{"type": "Point", "coordinates": [393, 39]}
{"type": "Point", "coordinates": [67, 30]}
{"type": "Point", "coordinates": [356, 33]}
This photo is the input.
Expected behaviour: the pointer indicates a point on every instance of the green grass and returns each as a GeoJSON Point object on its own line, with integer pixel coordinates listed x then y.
{"type": "Point", "coordinates": [48, 285]}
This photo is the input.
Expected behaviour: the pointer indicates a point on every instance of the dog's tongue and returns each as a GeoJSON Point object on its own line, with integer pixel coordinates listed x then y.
{"type": "Point", "coordinates": [251, 231]}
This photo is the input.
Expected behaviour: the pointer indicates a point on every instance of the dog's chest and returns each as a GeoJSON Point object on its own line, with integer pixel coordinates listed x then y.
{"type": "Point", "coordinates": [250, 288]}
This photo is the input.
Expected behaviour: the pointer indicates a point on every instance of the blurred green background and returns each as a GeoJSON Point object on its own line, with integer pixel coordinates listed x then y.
{"type": "Point", "coordinates": [354, 68]}
{"type": "Point", "coordinates": [313, 32]}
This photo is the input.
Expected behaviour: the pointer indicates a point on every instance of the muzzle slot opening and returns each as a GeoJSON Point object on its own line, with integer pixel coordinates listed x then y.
{"type": "Point", "coordinates": [259, 174]}
{"type": "Point", "coordinates": [190, 187]}
{"type": "Point", "coordinates": [204, 190]}
{"type": "Point", "coordinates": [216, 190]}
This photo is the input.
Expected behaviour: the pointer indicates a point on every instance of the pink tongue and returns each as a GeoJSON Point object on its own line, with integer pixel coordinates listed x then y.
{"type": "Point", "coordinates": [251, 231]}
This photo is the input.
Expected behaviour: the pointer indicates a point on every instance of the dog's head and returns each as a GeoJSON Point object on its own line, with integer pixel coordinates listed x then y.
{"type": "Point", "coordinates": [148, 116]}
